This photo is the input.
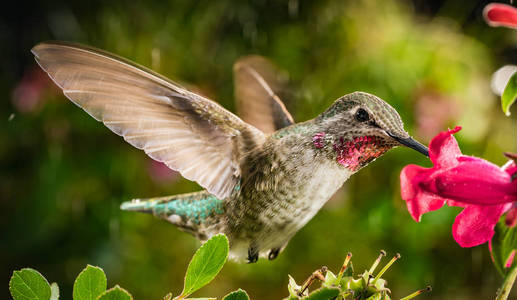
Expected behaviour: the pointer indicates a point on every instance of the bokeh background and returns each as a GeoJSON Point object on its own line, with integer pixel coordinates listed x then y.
{"type": "Point", "coordinates": [63, 175]}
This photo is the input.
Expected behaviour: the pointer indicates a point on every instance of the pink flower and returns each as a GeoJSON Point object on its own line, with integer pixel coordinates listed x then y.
{"type": "Point", "coordinates": [484, 190]}
{"type": "Point", "coordinates": [497, 14]}
{"type": "Point", "coordinates": [160, 173]}
{"type": "Point", "coordinates": [29, 93]}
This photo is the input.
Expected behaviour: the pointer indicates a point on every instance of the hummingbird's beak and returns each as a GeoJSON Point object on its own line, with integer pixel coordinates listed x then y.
{"type": "Point", "coordinates": [411, 143]}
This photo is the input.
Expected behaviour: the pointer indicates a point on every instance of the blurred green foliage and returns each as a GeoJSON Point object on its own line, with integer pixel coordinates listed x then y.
{"type": "Point", "coordinates": [63, 175]}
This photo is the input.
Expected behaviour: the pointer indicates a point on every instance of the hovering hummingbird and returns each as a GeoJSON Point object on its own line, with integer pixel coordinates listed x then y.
{"type": "Point", "coordinates": [264, 179]}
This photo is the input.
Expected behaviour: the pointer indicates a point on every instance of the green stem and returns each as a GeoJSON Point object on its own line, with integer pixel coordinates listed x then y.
{"type": "Point", "coordinates": [507, 284]}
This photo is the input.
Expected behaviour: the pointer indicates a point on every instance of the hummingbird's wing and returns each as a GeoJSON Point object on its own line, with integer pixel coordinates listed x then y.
{"type": "Point", "coordinates": [186, 131]}
{"type": "Point", "coordinates": [257, 82]}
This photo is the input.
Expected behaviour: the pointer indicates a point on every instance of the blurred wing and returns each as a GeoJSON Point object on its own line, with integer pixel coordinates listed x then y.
{"type": "Point", "coordinates": [189, 133]}
{"type": "Point", "coordinates": [257, 82]}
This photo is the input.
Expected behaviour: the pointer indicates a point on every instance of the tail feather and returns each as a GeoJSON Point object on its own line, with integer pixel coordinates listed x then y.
{"type": "Point", "coordinates": [194, 212]}
{"type": "Point", "coordinates": [147, 205]}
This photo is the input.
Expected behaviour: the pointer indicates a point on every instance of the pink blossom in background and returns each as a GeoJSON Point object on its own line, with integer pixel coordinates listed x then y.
{"type": "Point", "coordinates": [29, 93]}
{"type": "Point", "coordinates": [160, 173]}
{"type": "Point", "coordinates": [498, 14]}
{"type": "Point", "coordinates": [484, 190]}
{"type": "Point", "coordinates": [434, 110]}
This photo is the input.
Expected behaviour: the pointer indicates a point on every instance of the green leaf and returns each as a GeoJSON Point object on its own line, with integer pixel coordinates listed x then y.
{"type": "Point", "coordinates": [354, 284]}
{"type": "Point", "coordinates": [376, 296]}
{"type": "Point", "coordinates": [89, 284]}
{"type": "Point", "coordinates": [237, 295]}
{"type": "Point", "coordinates": [504, 242]}
{"type": "Point", "coordinates": [509, 94]}
{"type": "Point", "coordinates": [206, 263]}
{"type": "Point", "coordinates": [380, 284]}
{"type": "Point", "coordinates": [293, 287]}
{"type": "Point", "coordinates": [330, 279]}
{"type": "Point", "coordinates": [54, 291]}
{"type": "Point", "coordinates": [115, 293]}
{"type": "Point", "coordinates": [29, 284]}
{"type": "Point", "coordinates": [350, 270]}
{"type": "Point", "coordinates": [325, 293]}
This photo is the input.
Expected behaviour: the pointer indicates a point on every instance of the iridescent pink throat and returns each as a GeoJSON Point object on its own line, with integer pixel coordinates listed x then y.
{"type": "Point", "coordinates": [356, 153]}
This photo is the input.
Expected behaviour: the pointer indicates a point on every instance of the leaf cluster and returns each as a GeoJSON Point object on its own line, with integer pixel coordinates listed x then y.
{"type": "Point", "coordinates": [91, 283]}
{"type": "Point", "coordinates": [346, 284]}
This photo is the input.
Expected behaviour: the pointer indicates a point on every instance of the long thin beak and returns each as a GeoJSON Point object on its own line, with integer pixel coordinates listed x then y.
{"type": "Point", "coordinates": [411, 143]}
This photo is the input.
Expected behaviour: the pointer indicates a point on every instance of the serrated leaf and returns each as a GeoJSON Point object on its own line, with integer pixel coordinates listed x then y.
{"type": "Point", "coordinates": [503, 243]}
{"type": "Point", "coordinates": [89, 284]}
{"type": "Point", "coordinates": [29, 284]}
{"type": "Point", "coordinates": [206, 264]}
{"type": "Point", "coordinates": [293, 287]}
{"type": "Point", "coordinates": [115, 293]}
{"type": "Point", "coordinates": [54, 291]}
{"type": "Point", "coordinates": [330, 279]}
{"type": "Point", "coordinates": [324, 293]}
{"type": "Point", "coordinates": [237, 295]}
{"type": "Point", "coordinates": [354, 284]}
{"type": "Point", "coordinates": [380, 284]}
{"type": "Point", "coordinates": [509, 94]}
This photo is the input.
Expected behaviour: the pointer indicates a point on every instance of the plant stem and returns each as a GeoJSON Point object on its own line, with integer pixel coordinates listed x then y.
{"type": "Point", "coordinates": [507, 284]}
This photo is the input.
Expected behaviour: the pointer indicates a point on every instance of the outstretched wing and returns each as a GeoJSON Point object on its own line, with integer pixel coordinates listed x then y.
{"type": "Point", "coordinates": [257, 82]}
{"type": "Point", "coordinates": [189, 133]}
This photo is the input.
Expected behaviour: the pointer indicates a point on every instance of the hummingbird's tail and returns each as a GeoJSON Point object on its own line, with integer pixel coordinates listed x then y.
{"type": "Point", "coordinates": [198, 213]}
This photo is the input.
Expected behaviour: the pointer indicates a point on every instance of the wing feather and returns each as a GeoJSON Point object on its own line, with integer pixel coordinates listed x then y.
{"type": "Point", "coordinates": [186, 131]}
{"type": "Point", "coordinates": [257, 82]}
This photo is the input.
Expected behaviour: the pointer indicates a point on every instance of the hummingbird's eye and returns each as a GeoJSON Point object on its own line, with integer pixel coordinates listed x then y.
{"type": "Point", "coordinates": [361, 115]}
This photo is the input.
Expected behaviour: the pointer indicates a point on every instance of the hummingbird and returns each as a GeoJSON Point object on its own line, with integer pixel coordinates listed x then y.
{"type": "Point", "coordinates": [264, 176]}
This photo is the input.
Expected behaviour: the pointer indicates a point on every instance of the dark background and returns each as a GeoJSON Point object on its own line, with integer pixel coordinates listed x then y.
{"type": "Point", "coordinates": [63, 175]}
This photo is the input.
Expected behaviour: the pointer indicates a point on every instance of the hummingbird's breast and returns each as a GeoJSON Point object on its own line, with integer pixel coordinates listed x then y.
{"type": "Point", "coordinates": [285, 185]}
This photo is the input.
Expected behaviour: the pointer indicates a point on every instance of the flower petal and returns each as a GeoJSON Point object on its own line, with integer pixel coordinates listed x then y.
{"type": "Point", "coordinates": [444, 149]}
{"type": "Point", "coordinates": [417, 200]}
{"type": "Point", "coordinates": [497, 14]}
{"type": "Point", "coordinates": [474, 181]}
{"type": "Point", "coordinates": [475, 224]}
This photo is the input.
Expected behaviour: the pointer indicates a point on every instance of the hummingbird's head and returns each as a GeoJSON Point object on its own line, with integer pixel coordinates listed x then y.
{"type": "Point", "coordinates": [362, 127]}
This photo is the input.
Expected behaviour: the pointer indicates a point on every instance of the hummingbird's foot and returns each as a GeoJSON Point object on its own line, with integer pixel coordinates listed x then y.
{"type": "Point", "coordinates": [253, 254]}
{"type": "Point", "coordinates": [273, 253]}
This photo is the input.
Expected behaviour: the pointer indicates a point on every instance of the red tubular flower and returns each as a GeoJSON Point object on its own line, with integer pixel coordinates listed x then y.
{"type": "Point", "coordinates": [484, 190]}
{"type": "Point", "coordinates": [498, 14]}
